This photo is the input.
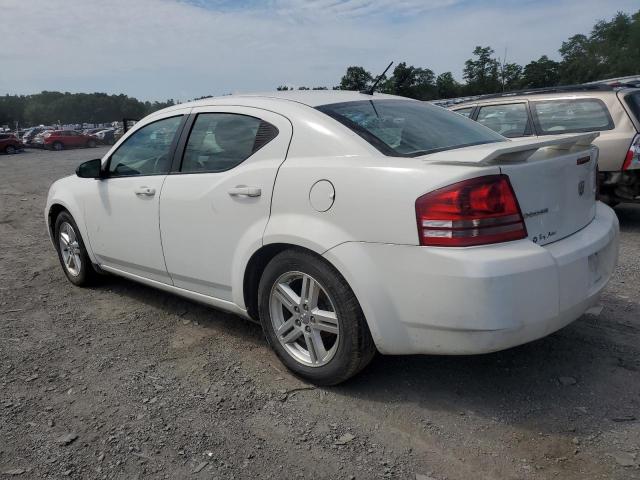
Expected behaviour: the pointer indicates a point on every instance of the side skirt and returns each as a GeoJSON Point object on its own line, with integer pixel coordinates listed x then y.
{"type": "Point", "coordinates": [196, 297]}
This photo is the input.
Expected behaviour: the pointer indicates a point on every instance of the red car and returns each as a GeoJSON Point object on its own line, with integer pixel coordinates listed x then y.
{"type": "Point", "coordinates": [9, 143]}
{"type": "Point", "coordinates": [61, 139]}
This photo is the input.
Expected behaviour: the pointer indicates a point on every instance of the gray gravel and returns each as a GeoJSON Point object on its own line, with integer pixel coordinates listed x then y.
{"type": "Point", "coordinates": [123, 381]}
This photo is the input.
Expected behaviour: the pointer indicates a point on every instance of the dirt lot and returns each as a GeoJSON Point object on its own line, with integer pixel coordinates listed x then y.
{"type": "Point", "coordinates": [123, 381]}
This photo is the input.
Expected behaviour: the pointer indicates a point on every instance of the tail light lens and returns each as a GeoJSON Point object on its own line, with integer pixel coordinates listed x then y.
{"type": "Point", "coordinates": [477, 211]}
{"type": "Point", "coordinates": [632, 160]}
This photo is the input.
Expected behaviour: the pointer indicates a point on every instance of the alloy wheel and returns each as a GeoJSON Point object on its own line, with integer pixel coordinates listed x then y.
{"type": "Point", "coordinates": [304, 319]}
{"type": "Point", "coordinates": [70, 249]}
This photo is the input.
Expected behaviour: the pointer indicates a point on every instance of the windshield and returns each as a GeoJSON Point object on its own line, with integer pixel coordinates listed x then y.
{"type": "Point", "coordinates": [409, 128]}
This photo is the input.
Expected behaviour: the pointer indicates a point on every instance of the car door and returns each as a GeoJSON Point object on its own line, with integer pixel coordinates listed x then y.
{"type": "Point", "coordinates": [79, 139]}
{"type": "Point", "coordinates": [215, 206]}
{"type": "Point", "coordinates": [121, 211]}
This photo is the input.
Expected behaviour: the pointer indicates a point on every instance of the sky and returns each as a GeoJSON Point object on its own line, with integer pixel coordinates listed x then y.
{"type": "Point", "coordinates": [182, 49]}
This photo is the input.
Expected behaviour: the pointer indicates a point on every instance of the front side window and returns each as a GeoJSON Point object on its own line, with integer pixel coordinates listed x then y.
{"type": "Point", "coordinates": [509, 120]}
{"type": "Point", "coordinates": [408, 128]}
{"type": "Point", "coordinates": [220, 141]}
{"type": "Point", "coordinates": [465, 111]}
{"type": "Point", "coordinates": [554, 117]}
{"type": "Point", "coordinates": [147, 151]}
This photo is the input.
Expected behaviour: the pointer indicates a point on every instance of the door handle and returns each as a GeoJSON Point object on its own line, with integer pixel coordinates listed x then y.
{"type": "Point", "coordinates": [145, 191]}
{"type": "Point", "coordinates": [244, 191]}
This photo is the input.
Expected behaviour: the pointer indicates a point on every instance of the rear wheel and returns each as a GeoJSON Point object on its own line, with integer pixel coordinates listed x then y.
{"type": "Point", "coordinates": [72, 253]}
{"type": "Point", "coordinates": [312, 319]}
{"type": "Point", "coordinates": [10, 149]}
{"type": "Point", "coordinates": [91, 144]}
{"type": "Point", "coordinates": [58, 146]}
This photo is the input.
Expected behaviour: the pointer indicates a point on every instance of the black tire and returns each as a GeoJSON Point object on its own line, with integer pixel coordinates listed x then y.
{"type": "Point", "coordinates": [86, 273]}
{"type": "Point", "coordinates": [91, 144]}
{"type": "Point", "coordinates": [58, 146]}
{"type": "Point", "coordinates": [10, 150]}
{"type": "Point", "coordinates": [355, 347]}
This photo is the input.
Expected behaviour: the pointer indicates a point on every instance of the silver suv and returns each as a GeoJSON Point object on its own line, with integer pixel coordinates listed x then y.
{"type": "Point", "coordinates": [615, 113]}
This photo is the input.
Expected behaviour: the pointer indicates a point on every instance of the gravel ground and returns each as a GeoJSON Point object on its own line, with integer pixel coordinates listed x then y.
{"type": "Point", "coordinates": [123, 381]}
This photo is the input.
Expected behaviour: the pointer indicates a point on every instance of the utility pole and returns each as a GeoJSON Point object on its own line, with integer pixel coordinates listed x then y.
{"type": "Point", "coordinates": [504, 61]}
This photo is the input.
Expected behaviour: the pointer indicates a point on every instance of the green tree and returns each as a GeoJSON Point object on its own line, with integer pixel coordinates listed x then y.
{"type": "Point", "coordinates": [510, 76]}
{"type": "Point", "coordinates": [482, 73]}
{"type": "Point", "coordinates": [447, 86]}
{"type": "Point", "coordinates": [412, 82]}
{"type": "Point", "coordinates": [579, 61]}
{"type": "Point", "coordinates": [543, 72]}
{"type": "Point", "coordinates": [356, 78]}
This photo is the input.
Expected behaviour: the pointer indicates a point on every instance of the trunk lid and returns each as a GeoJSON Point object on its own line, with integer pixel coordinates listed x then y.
{"type": "Point", "coordinates": [554, 179]}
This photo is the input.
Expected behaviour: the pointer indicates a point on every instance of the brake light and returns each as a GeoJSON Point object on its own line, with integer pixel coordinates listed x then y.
{"type": "Point", "coordinates": [477, 211]}
{"type": "Point", "coordinates": [632, 160]}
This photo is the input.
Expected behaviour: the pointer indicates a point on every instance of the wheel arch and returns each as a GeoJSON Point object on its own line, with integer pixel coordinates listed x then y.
{"type": "Point", "coordinates": [257, 264]}
{"type": "Point", "coordinates": [60, 202]}
{"type": "Point", "coordinates": [55, 209]}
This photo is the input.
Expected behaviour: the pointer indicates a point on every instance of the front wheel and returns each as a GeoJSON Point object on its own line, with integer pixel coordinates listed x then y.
{"type": "Point", "coordinates": [72, 253]}
{"type": "Point", "coordinates": [10, 149]}
{"type": "Point", "coordinates": [58, 146]}
{"type": "Point", "coordinates": [91, 144]}
{"type": "Point", "coordinates": [312, 319]}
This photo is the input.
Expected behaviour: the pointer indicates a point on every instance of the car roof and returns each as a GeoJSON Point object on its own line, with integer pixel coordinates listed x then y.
{"type": "Point", "coordinates": [311, 98]}
{"type": "Point", "coordinates": [543, 93]}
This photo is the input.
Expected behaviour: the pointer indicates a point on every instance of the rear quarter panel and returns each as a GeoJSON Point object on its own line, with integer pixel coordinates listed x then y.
{"type": "Point", "coordinates": [374, 199]}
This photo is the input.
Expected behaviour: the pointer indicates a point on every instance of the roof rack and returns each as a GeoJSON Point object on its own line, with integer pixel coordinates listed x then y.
{"type": "Point", "coordinates": [559, 89]}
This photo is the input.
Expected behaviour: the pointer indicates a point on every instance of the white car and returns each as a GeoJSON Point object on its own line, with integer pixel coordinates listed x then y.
{"type": "Point", "coordinates": [345, 223]}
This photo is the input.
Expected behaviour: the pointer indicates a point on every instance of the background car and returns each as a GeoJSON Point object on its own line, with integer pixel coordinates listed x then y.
{"type": "Point", "coordinates": [91, 131]}
{"type": "Point", "coordinates": [31, 134]}
{"type": "Point", "coordinates": [105, 136]}
{"type": "Point", "coordinates": [61, 139]}
{"type": "Point", "coordinates": [9, 143]}
{"type": "Point", "coordinates": [613, 112]}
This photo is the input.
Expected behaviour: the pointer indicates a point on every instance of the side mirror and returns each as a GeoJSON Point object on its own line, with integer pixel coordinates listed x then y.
{"type": "Point", "coordinates": [90, 169]}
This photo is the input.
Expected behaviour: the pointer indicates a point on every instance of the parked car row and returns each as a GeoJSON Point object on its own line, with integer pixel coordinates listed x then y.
{"type": "Point", "coordinates": [9, 143]}
{"type": "Point", "coordinates": [613, 112]}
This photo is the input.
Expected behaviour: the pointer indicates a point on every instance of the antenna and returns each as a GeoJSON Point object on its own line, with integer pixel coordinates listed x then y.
{"type": "Point", "coordinates": [370, 90]}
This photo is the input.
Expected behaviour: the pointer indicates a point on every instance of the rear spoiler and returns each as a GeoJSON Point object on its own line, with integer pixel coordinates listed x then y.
{"type": "Point", "coordinates": [513, 151]}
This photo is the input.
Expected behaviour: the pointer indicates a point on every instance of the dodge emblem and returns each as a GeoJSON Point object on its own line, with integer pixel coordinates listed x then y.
{"type": "Point", "coordinates": [581, 187]}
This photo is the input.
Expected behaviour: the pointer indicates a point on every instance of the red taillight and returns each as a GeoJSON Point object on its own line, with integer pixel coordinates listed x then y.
{"type": "Point", "coordinates": [477, 211]}
{"type": "Point", "coordinates": [632, 160]}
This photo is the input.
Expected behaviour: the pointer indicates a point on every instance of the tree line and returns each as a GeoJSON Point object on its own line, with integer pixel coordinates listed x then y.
{"type": "Point", "coordinates": [612, 49]}
{"type": "Point", "coordinates": [51, 108]}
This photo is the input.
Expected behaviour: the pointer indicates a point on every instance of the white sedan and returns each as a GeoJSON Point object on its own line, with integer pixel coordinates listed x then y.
{"type": "Point", "coordinates": [346, 224]}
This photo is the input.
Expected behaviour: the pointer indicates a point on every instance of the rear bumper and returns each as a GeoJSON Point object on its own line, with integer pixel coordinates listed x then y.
{"type": "Point", "coordinates": [478, 300]}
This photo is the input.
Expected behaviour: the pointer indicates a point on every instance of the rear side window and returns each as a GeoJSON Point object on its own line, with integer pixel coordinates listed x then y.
{"type": "Point", "coordinates": [633, 101]}
{"type": "Point", "coordinates": [464, 111]}
{"type": "Point", "coordinates": [510, 120]}
{"type": "Point", "coordinates": [221, 141]}
{"type": "Point", "coordinates": [405, 128]}
{"type": "Point", "coordinates": [554, 117]}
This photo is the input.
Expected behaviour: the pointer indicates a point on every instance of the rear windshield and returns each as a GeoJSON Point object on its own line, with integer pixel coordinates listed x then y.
{"type": "Point", "coordinates": [553, 117]}
{"type": "Point", "coordinates": [409, 128]}
{"type": "Point", "coordinates": [633, 101]}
